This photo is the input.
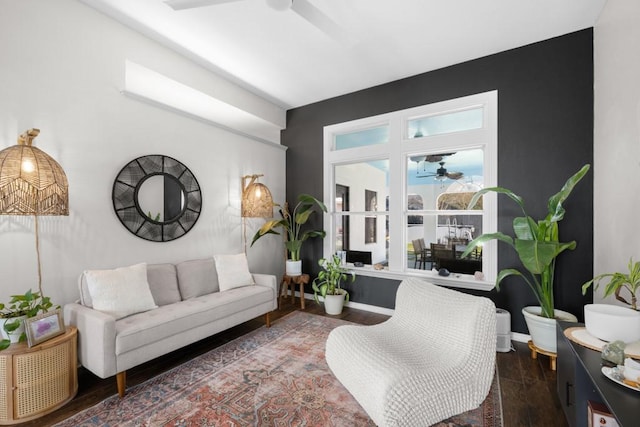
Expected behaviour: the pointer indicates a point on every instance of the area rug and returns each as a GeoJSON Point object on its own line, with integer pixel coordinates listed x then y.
{"type": "Point", "coordinates": [270, 377]}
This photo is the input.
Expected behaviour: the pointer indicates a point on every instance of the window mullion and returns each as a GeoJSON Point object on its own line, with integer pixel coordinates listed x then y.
{"type": "Point", "coordinates": [396, 199]}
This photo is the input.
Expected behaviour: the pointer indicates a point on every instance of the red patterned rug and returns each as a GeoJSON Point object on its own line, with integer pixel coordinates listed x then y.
{"type": "Point", "coordinates": [270, 377]}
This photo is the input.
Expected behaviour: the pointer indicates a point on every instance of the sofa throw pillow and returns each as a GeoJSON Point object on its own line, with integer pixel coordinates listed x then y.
{"type": "Point", "coordinates": [197, 277]}
{"type": "Point", "coordinates": [120, 292]}
{"type": "Point", "coordinates": [163, 283]}
{"type": "Point", "coordinates": [233, 271]}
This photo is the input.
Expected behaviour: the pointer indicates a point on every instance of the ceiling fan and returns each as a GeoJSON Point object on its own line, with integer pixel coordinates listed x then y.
{"type": "Point", "coordinates": [304, 8]}
{"type": "Point", "coordinates": [441, 174]}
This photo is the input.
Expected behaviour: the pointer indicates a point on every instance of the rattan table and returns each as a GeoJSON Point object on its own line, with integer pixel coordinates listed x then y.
{"type": "Point", "coordinates": [38, 380]}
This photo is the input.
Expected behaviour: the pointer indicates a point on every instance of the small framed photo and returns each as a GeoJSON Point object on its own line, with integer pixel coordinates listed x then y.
{"type": "Point", "coordinates": [43, 327]}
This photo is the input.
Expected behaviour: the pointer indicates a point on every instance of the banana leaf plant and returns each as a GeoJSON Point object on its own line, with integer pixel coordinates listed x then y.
{"type": "Point", "coordinates": [291, 223]}
{"type": "Point", "coordinates": [618, 282]}
{"type": "Point", "coordinates": [536, 242]}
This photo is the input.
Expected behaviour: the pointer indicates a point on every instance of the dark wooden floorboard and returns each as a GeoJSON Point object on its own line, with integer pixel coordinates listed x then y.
{"type": "Point", "coordinates": [527, 386]}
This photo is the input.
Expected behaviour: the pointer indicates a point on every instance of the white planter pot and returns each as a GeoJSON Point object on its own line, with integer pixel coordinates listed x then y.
{"type": "Point", "coordinates": [333, 304]}
{"type": "Point", "coordinates": [15, 335]}
{"type": "Point", "coordinates": [293, 268]}
{"type": "Point", "coordinates": [543, 329]}
{"type": "Point", "coordinates": [612, 322]}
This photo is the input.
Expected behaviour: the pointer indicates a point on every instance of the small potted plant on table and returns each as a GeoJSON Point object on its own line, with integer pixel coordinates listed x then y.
{"type": "Point", "coordinates": [13, 314]}
{"type": "Point", "coordinates": [611, 322]}
{"type": "Point", "coordinates": [327, 284]}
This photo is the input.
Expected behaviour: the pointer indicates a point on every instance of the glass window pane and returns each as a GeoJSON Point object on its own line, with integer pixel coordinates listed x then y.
{"type": "Point", "coordinates": [429, 176]}
{"type": "Point", "coordinates": [443, 182]}
{"type": "Point", "coordinates": [440, 241]}
{"type": "Point", "coordinates": [361, 187]}
{"type": "Point", "coordinates": [445, 123]}
{"type": "Point", "coordinates": [361, 138]}
{"type": "Point", "coordinates": [367, 240]}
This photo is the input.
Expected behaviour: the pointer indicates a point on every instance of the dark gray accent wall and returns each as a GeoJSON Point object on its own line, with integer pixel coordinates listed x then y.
{"type": "Point", "coordinates": [545, 134]}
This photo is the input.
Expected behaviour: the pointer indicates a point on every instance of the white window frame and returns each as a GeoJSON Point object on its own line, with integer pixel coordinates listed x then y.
{"type": "Point", "coordinates": [397, 150]}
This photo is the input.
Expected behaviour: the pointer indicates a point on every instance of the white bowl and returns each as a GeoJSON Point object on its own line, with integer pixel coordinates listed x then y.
{"type": "Point", "coordinates": [612, 322]}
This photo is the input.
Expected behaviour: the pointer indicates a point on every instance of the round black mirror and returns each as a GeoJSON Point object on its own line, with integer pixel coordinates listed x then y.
{"type": "Point", "coordinates": [157, 198]}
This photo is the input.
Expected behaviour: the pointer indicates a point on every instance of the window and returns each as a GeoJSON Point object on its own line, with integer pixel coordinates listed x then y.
{"type": "Point", "coordinates": [401, 183]}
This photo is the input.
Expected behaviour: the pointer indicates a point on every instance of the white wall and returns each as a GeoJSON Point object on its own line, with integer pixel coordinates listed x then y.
{"type": "Point", "coordinates": [62, 69]}
{"type": "Point", "coordinates": [617, 138]}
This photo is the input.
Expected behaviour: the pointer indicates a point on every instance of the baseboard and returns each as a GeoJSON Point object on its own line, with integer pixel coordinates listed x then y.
{"type": "Point", "coordinates": [357, 305]}
{"type": "Point", "coordinates": [515, 336]}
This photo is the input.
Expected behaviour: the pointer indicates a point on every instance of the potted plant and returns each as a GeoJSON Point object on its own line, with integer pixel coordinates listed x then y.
{"type": "Point", "coordinates": [292, 223]}
{"type": "Point", "coordinates": [327, 284]}
{"type": "Point", "coordinates": [12, 315]}
{"type": "Point", "coordinates": [619, 282]}
{"type": "Point", "coordinates": [537, 245]}
{"type": "Point", "coordinates": [609, 322]}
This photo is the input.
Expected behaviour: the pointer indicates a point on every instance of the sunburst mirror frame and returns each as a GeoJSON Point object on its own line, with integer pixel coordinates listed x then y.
{"type": "Point", "coordinates": [125, 198]}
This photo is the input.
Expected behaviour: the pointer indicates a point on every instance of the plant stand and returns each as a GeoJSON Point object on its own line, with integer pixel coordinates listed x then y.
{"type": "Point", "coordinates": [292, 281]}
{"type": "Point", "coordinates": [534, 355]}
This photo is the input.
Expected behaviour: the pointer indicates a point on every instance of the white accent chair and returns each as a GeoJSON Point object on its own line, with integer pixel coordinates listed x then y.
{"type": "Point", "coordinates": [434, 358]}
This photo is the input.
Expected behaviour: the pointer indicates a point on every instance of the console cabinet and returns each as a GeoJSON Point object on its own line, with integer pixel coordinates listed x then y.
{"type": "Point", "coordinates": [580, 379]}
{"type": "Point", "coordinates": [38, 380]}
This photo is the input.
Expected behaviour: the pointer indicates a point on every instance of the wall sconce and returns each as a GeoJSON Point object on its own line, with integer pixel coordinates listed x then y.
{"type": "Point", "coordinates": [256, 202]}
{"type": "Point", "coordinates": [32, 183]}
{"type": "Point", "coordinates": [256, 198]}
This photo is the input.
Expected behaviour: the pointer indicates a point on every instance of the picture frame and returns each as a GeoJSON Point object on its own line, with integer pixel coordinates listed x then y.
{"type": "Point", "coordinates": [44, 327]}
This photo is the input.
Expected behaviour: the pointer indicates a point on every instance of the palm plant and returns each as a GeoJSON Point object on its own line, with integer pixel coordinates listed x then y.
{"type": "Point", "coordinates": [536, 242]}
{"type": "Point", "coordinates": [618, 282]}
{"type": "Point", "coordinates": [292, 223]}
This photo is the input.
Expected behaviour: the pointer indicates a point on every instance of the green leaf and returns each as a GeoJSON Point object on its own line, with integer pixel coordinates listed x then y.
{"type": "Point", "coordinates": [312, 233]}
{"type": "Point", "coordinates": [294, 246]}
{"type": "Point", "coordinates": [499, 190]}
{"type": "Point", "coordinates": [536, 255]}
{"type": "Point", "coordinates": [506, 273]}
{"type": "Point", "coordinates": [308, 199]}
{"type": "Point", "coordinates": [485, 238]}
{"type": "Point", "coordinates": [524, 228]}
{"type": "Point", "coordinates": [12, 325]}
{"type": "Point", "coordinates": [555, 202]}
{"type": "Point", "coordinates": [4, 344]}
{"type": "Point", "coordinates": [303, 216]}
{"type": "Point", "coordinates": [268, 227]}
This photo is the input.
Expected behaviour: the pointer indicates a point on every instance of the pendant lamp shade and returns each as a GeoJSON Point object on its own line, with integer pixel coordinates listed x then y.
{"type": "Point", "coordinates": [256, 198]}
{"type": "Point", "coordinates": [31, 181]}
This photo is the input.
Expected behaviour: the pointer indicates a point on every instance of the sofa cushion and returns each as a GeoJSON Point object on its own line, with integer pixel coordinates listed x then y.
{"type": "Point", "coordinates": [156, 325]}
{"type": "Point", "coordinates": [197, 277]}
{"type": "Point", "coordinates": [233, 271]}
{"type": "Point", "coordinates": [163, 283]}
{"type": "Point", "coordinates": [120, 292]}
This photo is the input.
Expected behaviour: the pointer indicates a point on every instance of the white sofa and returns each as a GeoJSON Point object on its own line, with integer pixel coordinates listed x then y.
{"type": "Point", "coordinates": [434, 358]}
{"type": "Point", "coordinates": [189, 306]}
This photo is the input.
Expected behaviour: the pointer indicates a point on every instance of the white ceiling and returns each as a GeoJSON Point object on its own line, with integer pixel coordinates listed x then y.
{"type": "Point", "coordinates": [288, 61]}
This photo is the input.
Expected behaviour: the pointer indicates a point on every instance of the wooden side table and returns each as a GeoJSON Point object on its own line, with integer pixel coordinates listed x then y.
{"type": "Point", "coordinates": [38, 380]}
{"type": "Point", "coordinates": [292, 281]}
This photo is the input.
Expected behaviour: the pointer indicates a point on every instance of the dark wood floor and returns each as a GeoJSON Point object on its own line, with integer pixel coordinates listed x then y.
{"type": "Point", "coordinates": [527, 386]}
